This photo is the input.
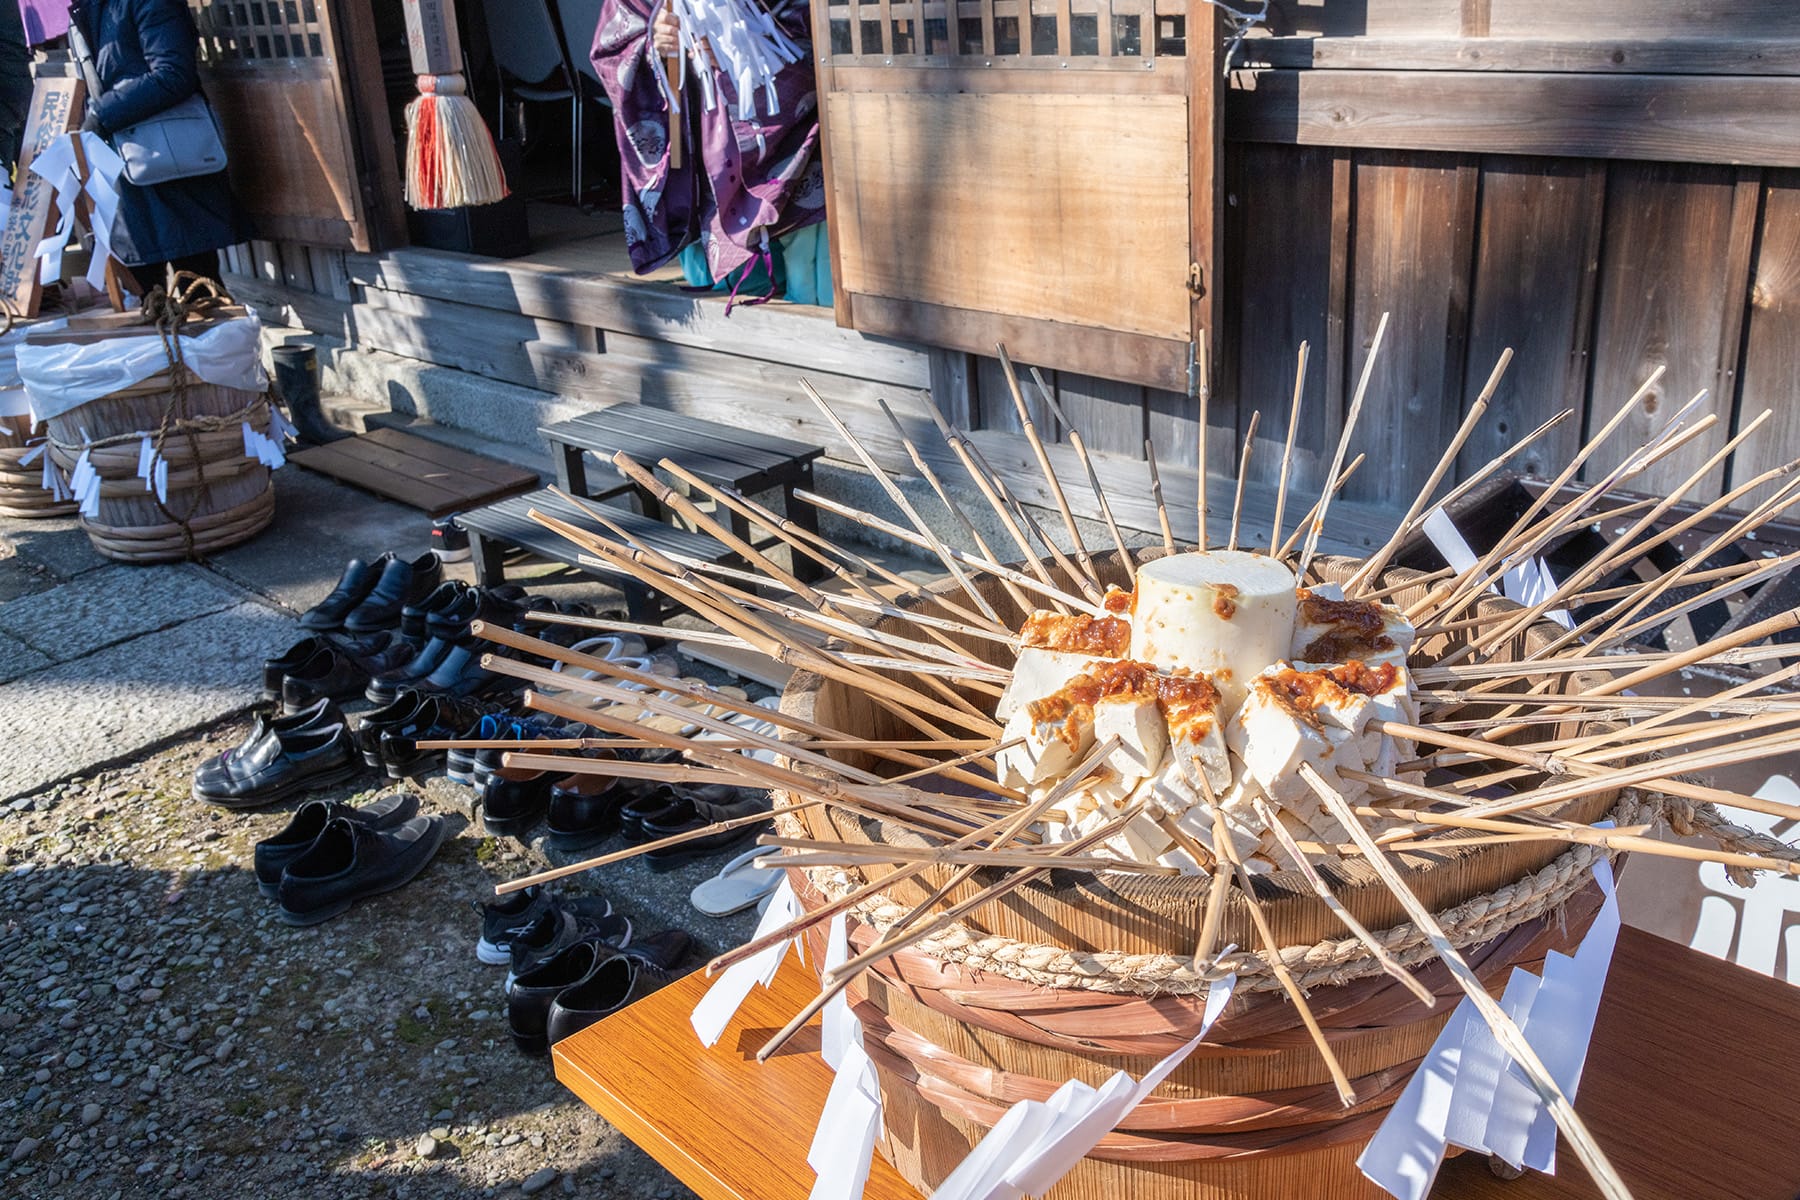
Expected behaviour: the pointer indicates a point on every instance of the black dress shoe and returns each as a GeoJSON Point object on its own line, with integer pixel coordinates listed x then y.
{"type": "Point", "coordinates": [514, 801]}
{"type": "Point", "coordinates": [413, 617]}
{"type": "Point", "coordinates": [613, 983]}
{"type": "Point", "coordinates": [274, 854]}
{"type": "Point", "coordinates": [584, 810]}
{"type": "Point", "coordinates": [663, 804]}
{"type": "Point", "coordinates": [532, 992]}
{"type": "Point", "coordinates": [348, 862]}
{"type": "Point", "coordinates": [555, 931]}
{"type": "Point", "coordinates": [706, 812]}
{"type": "Point", "coordinates": [395, 713]}
{"type": "Point", "coordinates": [401, 583]}
{"type": "Point", "coordinates": [353, 586]}
{"type": "Point", "coordinates": [304, 760]}
{"type": "Point", "coordinates": [500, 605]}
{"type": "Point", "coordinates": [461, 673]}
{"type": "Point", "coordinates": [339, 673]}
{"type": "Point", "coordinates": [437, 718]}
{"type": "Point", "coordinates": [385, 686]}
{"type": "Point", "coordinates": [322, 715]}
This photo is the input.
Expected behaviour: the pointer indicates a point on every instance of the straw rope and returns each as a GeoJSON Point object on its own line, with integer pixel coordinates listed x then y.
{"type": "Point", "coordinates": [1327, 963]}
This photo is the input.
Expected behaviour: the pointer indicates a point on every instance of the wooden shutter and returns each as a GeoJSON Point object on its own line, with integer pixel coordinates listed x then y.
{"type": "Point", "coordinates": [305, 119]}
{"type": "Point", "coordinates": [1037, 172]}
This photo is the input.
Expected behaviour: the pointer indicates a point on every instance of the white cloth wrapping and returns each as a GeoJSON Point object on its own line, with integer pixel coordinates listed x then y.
{"type": "Point", "coordinates": [61, 377]}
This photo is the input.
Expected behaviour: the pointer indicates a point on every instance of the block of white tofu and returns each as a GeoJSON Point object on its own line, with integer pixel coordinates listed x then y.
{"type": "Point", "coordinates": [1389, 692]}
{"type": "Point", "coordinates": [1047, 749]}
{"type": "Point", "coordinates": [1141, 840]}
{"type": "Point", "coordinates": [1292, 718]}
{"type": "Point", "coordinates": [1037, 673]}
{"type": "Point", "coordinates": [1328, 630]}
{"type": "Point", "coordinates": [1055, 647]}
{"type": "Point", "coordinates": [1241, 823]}
{"type": "Point", "coordinates": [1224, 613]}
{"type": "Point", "coordinates": [1137, 721]}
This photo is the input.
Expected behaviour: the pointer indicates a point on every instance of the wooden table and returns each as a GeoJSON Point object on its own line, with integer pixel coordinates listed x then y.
{"type": "Point", "coordinates": [1690, 1088]}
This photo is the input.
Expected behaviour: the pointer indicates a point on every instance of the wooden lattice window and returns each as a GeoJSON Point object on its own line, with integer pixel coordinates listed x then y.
{"type": "Point", "coordinates": [1045, 34]}
{"type": "Point", "coordinates": [248, 30]}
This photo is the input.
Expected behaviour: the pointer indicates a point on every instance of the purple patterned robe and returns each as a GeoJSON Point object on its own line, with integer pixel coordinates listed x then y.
{"type": "Point", "coordinates": [743, 179]}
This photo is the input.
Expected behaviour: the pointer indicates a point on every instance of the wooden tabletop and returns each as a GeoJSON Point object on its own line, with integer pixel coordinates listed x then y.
{"type": "Point", "coordinates": [1689, 1088]}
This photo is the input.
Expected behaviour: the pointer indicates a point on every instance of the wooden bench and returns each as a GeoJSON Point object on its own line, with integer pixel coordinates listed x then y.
{"type": "Point", "coordinates": [497, 528]}
{"type": "Point", "coordinates": [724, 456]}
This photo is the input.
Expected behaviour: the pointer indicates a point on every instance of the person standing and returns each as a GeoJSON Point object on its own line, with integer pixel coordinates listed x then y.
{"type": "Point", "coordinates": [146, 54]}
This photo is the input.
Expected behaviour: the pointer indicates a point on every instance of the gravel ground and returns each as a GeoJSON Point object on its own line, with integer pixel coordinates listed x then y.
{"type": "Point", "coordinates": [162, 1034]}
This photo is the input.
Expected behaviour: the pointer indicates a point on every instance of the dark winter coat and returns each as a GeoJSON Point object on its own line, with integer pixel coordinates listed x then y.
{"type": "Point", "coordinates": [146, 54]}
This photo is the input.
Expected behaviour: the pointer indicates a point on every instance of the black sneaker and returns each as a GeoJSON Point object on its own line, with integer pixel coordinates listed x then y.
{"type": "Point", "coordinates": [559, 929]}
{"type": "Point", "coordinates": [449, 541]}
{"type": "Point", "coordinates": [512, 914]}
{"type": "Point", "coordinates": [349, 862]}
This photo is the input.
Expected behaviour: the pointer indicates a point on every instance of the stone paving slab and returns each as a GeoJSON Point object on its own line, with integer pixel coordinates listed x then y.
{"type": "Point", "coordinates": [16, 658]}
{"type": "Point", "coordinates": [111, 605]}
{"type": "Point", "coordinates": [74, 716]}
{"type": "Point", "coordinates": [57, 544]}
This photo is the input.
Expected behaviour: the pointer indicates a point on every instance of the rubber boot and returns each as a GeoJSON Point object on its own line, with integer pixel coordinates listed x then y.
{"type": "Point", "coordinates": [297, 383]}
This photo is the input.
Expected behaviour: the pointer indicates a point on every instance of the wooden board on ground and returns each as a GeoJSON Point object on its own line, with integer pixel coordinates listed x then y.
{"type": "Point", "coordinates": [56, 108]}
{"type": "Point", "coordinates": [416, 471]}
{"type": "Point", "coordinates": [739, 660]}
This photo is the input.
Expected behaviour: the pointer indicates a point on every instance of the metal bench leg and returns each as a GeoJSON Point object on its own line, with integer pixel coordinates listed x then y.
{"type": "Point", "coordinates": [571, 470]}
{"type": "Point", "coordinates": [641, 604]}
{"type": "Point", "coordinates": [807, 518]}
{"type": "Point", "coordinates": [490, 559]}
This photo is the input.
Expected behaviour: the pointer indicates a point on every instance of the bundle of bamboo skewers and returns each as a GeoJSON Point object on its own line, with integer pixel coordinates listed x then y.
{"type": "Point", "coordinates": [1522, 722]}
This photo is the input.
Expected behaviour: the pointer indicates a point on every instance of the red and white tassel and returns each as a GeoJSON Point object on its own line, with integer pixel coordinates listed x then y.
{"type": "Point", "coordinates": [451, 159]}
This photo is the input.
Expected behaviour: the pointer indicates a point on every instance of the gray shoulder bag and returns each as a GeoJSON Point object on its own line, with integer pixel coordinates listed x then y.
{"type": "Point", "coordinates": [180, 141]}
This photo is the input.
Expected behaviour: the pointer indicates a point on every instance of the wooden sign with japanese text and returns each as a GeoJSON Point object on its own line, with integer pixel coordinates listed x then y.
{"type": "Point", "coordinates": [56, 108]}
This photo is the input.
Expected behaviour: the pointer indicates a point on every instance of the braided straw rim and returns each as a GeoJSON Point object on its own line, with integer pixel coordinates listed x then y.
{"type": "Point", "coordinates": [1324, 964]}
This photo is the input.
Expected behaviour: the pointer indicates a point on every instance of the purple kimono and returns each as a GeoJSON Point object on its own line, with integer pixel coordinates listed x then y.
{"type": "Point", "coordinates": [743, 180]}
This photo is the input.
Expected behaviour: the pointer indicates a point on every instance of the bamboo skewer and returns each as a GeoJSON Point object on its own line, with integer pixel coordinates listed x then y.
{"type": "Point", "coordinates": [1316, 525]}
{"type": "Point", "coordinates": [1237, 502]}
{"type": "Point", "coordinates": [1379, 560]}
{"type": "Point", "coordinates": [1200, 390]}
{"type": "Point", "coordinates": [1357, 929]}
{"type": "Point", "coordinates": [1156, 494]}
{"type": "Point", "coordinates": [1087, 464]}
{"type": "Point", "coordinates": [1313, 515]}
{"type": "Point", "coordinates": [1511, 1039]}
{"type": "Point", "coordinates": [1029, 426]}
{"type": "Point", "coordinates": [1287, 447]}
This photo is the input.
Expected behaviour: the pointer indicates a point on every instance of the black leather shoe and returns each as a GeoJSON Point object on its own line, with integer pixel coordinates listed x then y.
{"type": "Point", "coordinates": [706, 812]}
{"type": "Point", "coordinates": [584, 810]}
{"type": "Point", "coordinates": [322, 715]}
{"type": "Point", "coordinates": [386, 686]}
{"type": "Point", "coordinates": [397, 712]}
{"type": "Point", "coordinates": [340, 673]}
{"type": "Point", "coordinates": [413, 617]}
{"type": "Point", "coordinates": [306, 654]}
{"type": "Point", "coordinates": [305, 760]}
{"type": "Point", "coordinates": [437, 717]}
{"type": "Point", "coordinates": [663, 804]}
{"type": "Point", "coordinates": [514, 801]}
{"type": "Point", "coordinates": [401, 583]}
{"type": "Point", "coordinates": [461, 673]}
{"type": "Point", "coordinates": [274, 854]}
{"type": "Point", "coordinates": [560, 928]}
{"type": "Point", "coordinates": [353, 586]}
{"type": "Point", "coordinates": [612, 984]}
{"type": "Point", "coordinates": [348, 862]}
{"type": "Point", "coordinates": [529, 998]}
{"type": "Point", "coordinates": [500, 605]}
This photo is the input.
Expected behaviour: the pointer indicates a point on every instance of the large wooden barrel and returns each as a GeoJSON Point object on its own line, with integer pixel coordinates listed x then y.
{"type": "Point", "coordinates": [1082, 975]}
{"type": "Point", "coordinates": [216, 497]}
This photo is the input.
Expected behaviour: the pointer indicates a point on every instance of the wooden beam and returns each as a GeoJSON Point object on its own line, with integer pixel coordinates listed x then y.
{"type": "Point", "coordinates": [1711, 119]}
{"type": "Point", "coordinates": [1685, 56]}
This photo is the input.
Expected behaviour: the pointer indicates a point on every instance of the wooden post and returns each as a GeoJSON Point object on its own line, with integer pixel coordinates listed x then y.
{"type": "Point", "coordinates": [1206, 208]}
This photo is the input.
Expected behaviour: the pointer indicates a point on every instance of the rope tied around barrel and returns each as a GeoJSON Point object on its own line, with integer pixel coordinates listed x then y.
{"type": "Point", "coordinates": [1329, 962]}
{"type": "Point", "coordinates": [185, 297]}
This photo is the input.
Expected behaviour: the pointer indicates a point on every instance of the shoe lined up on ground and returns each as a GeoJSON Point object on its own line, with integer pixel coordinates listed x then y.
{"type": "Point", "coordinates": [349, 861]}
{"type": "Point", "coordinates": [552, 932]}
{"type": "Point", "coordinates": [513, 914]}
{"type": "Point", "coordinates": [585, 981]}
{"type": "Point", "coordinates": [369, 596]}
{"type": "Point", "coordinates": [272, 855]}
{"type": "Point", "coordinates": [313, 750]}
{"type": "Point", "coordinates": [449, 540]}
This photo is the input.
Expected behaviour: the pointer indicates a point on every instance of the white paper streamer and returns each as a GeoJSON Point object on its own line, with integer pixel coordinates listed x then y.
{"type": "Point", "coordinates": [1529, 583]}
{"type": "Point", "coordinates": [1038, 1142]}
{"type": "Point", "coordinates": [727, 994]}
{"type": "Point", "coordinates": [843, 1146]}
{"type": "Point", "coordinates": [56, 164]}
{"type": "Point", "coordinates": [746, 43]}
{"type": "Point", "coordinates": [1458, 1095]}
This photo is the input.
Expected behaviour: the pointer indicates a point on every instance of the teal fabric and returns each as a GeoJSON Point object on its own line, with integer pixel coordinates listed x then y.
{"type": "Point", "coordinates": [802, 269]}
